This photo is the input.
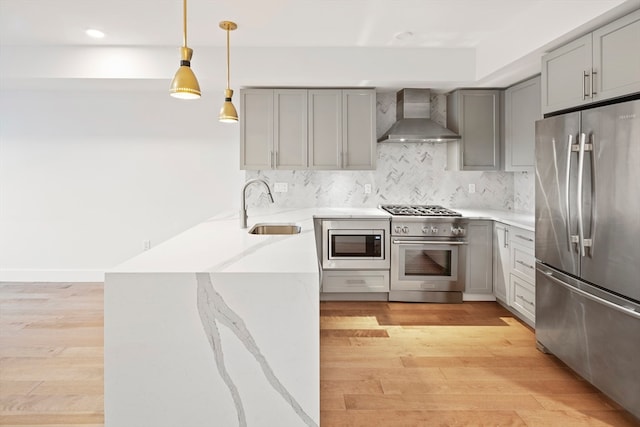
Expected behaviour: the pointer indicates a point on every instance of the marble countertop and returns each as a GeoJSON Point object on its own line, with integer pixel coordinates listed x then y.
{"type": "Point", "coordinates": [523, 220]}
{"type": "Point", "coordinates": [220, 245]}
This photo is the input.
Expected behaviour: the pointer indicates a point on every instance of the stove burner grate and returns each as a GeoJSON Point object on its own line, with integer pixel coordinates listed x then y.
{"type": "Point", "coordinates": [419, 210]}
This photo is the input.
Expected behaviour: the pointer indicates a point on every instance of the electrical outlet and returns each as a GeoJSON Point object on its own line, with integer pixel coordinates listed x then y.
{"type": "Point", "coordinates": [146, 244]}
{"type": "Point", "coordinates": [280, 187]}
{"type": "Point", "coordinates": [472, 188]}
{"type": "Point", "coordinates": [367, 189]}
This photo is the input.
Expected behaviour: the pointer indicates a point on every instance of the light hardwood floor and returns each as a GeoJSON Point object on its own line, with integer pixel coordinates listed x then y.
{"type": "Point", "coordinates": [382, 364]}
{"type": "Point", "coordinates": [51, 354]}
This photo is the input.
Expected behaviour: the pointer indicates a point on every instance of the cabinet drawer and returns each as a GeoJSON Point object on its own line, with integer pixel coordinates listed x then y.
{"type": "Point", "coordinates": [523, 297]}
{"type": "Point", "coordinates": [522, 237]}
{"type": "Point", "coordinates": [523, 262]}
{"type": "Point", "coordinates": [355, 281]}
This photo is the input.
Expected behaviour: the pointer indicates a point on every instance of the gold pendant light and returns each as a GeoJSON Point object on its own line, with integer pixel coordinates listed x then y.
{"type": "Point", "coordinates": [228, 113]}
{"type": "Point", "coordinates": [184, 84]}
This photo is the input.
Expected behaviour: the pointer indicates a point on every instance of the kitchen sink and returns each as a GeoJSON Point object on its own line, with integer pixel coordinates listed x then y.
{"type": "Point", "coordinates": [275, 229]}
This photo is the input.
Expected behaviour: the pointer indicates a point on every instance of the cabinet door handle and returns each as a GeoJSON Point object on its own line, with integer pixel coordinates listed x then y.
{"type": "Point", "coordinates": [271, 158]}
{"type": "Point", "coordinates": [593, 83]}
{"type": "Point", "coordinates": [524, 238]}
{"type": "Point", "coordinates": [506, 237]}
{"type": "Point", "coordinates": [585, 92]}
{"type": "Point", "coordinates": [356, 282]}
{"type": "Point", "coordinates": [526, 300]}
{"type": "Point", "coordinates": [275, 158]}
{"type": "Point", "coordinates": [525, 264]}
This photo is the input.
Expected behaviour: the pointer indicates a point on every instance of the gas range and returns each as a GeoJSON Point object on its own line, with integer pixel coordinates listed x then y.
{"type": "Point", "coordinates": [428, 253]}
{"type": "Point", "coordinates": [419, 210]}
{"type": "Point", "coordinates": [431, 221]}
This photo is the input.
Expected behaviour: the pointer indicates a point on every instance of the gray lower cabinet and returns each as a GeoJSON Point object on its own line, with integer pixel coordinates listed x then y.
{"type": "Point", "coordinates": [501, 262]}
{"type": "Point", "coordinates": [479, 266]}
{"type": "Point", "coordinates": [521, 110]}
{"type": "Point", "coordinates": [345, 281]}
{"type": "Point", "coordinates": [514, 270]}
{"type": "Point", "coordinates": [307, 129]}
{"type": "Point", "coordinates": [475, 115]}
{"type": "Point", "coordinates": [598, 66]}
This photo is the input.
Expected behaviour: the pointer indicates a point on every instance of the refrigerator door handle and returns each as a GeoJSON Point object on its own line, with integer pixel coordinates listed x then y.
{"type": "Point", "coordinates": [581, 245]}
{"type": "Point", "coordinates": [628, 311]}
{"type": "Point", "coordinates": [571, 147]}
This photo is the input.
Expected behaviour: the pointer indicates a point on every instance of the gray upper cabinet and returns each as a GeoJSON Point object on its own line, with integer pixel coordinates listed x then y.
{"type": "Point", "coordinates": [290, 128]}
{"type": "Point", "coordinates": [521, 110]}
{"type": "Point", "coordinates": [616, 57]}
{"type": "Point", "coordinates": [601, 65]}
{"type": "Point", "coordinates": [325, 129]}
{"type": "Point", "coordinates": [359, 129]}
{"type": "Point", "coordinates": [307, 128]}
{"type": "Point", "coordinates": [256, 129]}
{"type": "Point", "coordinates": [475, 116]}
{"type": "Point", "coordinates": [565, 74]}
{"type": "Point", "coordinates": [273, 130]}
{"type": "Point", "coordinates": [342, 129]}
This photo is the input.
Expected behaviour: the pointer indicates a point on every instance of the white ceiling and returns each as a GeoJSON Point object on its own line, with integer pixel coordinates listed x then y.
{"type": "Point", "coordinates": [382, 43]}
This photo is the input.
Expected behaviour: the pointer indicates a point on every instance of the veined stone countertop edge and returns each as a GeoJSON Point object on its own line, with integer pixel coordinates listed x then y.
{"type": "Point", "coordinates": [218, 244]}
{"type": "Point", "coordinates": [524, 220]}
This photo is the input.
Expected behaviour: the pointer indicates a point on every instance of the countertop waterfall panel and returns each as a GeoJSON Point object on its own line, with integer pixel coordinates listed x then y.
{"type": "Point", "coordinates": [216, 327]}
{"type": "Point", "coordinates": [218, 349]}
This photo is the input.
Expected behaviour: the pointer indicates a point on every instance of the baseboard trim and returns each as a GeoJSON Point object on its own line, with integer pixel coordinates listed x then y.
{"type": "Point", "coordinates": [51, 275]}
{"type": "Point", "coordinates": [478, 297]}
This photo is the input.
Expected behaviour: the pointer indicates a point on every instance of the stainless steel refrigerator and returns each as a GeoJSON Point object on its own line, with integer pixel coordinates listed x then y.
{"type": "Point", "coordinates": [588, 245]}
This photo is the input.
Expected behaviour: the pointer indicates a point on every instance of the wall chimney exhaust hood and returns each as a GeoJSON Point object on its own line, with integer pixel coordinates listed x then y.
{"type": "Point", "coordinates": [413, 122]}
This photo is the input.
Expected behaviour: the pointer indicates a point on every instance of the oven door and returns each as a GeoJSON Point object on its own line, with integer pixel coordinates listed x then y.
{"type": "Point", "coordinates": [427, 265]}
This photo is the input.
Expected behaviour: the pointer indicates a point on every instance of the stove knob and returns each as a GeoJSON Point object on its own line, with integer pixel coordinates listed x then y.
{"type": "Point", "coordinates": [425, 230]}
{"type": "Point", "coordinates": [405, 229]}
{"type": "Point", "coordinates": [461, 231]}
{"type": "Point", "coordinates": [434, 230]}
{"type": "Point", "coordinates": [397, 229]}
{"type": "Point", "coordinates": [455, 231]}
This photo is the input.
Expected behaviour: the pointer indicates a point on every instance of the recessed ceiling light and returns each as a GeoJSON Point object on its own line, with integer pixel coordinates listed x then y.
{"type": "Point", "coordinates": [405, 35]}
{"type": "Point", "coordinates": [96, 34]}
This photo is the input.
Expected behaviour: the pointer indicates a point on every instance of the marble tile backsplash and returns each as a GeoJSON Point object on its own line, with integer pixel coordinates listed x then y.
{"type": "Point", "coordinates": [524, 188]}
{"type": "Point", "coordinates": [405, 173]}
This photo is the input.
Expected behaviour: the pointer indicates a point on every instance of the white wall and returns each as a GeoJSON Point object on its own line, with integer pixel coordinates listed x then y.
{"type": "Point", "coordinates": [86, 177]}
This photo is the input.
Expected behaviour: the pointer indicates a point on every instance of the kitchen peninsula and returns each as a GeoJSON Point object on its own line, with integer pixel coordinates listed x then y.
{"type": "Point", "coordinates": [218, 325]}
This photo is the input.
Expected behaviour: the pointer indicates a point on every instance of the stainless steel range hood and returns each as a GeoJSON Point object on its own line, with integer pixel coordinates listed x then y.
{"type": "Point", "coordinates": [413, 120]}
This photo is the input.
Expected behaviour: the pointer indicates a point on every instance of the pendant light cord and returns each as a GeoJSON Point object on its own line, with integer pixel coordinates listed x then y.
{"type": "Point", "coordinates": [227, 57]}
{"type": "Point", "coordinates": [184, 23]}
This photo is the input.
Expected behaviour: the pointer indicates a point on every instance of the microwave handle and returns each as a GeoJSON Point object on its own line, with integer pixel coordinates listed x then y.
{"type": "Point", "coordinates": [428, 242]}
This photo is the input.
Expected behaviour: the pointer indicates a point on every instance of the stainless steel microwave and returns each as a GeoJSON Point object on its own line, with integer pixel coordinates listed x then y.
{"type": "Point", "coordinates": [355, 244]}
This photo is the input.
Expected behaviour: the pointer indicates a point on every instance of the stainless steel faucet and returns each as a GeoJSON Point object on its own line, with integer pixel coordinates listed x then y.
{"type": "Point", "coordinates": [243, 198]}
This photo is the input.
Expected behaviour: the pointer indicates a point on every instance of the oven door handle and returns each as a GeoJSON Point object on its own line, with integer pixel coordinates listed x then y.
{"type": "Point", "coordinates": [426, 242]}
